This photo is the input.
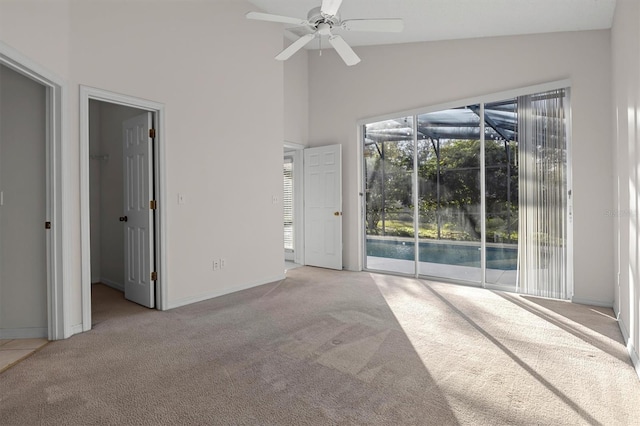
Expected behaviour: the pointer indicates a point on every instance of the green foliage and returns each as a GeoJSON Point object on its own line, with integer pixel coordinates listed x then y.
{"type": "Point", "coordinates": [448, 188]}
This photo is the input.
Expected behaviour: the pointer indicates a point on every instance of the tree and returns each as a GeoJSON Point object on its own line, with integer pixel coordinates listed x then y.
{"type": "Point", "coordinates": [449, 188]}
{"type": "Point", "coordinates": [389, 168]}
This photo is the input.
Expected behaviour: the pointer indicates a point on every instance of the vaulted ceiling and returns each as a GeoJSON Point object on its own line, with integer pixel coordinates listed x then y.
{"type": "Point", "coordinates": [429, 20]}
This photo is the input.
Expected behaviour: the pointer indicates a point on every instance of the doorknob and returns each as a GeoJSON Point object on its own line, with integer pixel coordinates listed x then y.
{"type": "Point", "coordinates": [337, 213]}
{"type": "Point", "coordinates": [123, 218]}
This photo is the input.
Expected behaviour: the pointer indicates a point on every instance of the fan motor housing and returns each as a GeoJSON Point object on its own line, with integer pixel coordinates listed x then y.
{"type": "Point", "coordinates": [315, 17]}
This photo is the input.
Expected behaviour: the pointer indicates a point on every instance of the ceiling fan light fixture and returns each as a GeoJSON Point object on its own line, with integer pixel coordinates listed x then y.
{"type": "Point", "coordinates": [324, 29]}
{"type": "Point", "coordinates": [320, 21]}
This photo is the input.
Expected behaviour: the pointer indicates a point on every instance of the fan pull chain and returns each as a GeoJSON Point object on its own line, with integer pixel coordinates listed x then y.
{"type": "Point", "coordinates": [320, 46]}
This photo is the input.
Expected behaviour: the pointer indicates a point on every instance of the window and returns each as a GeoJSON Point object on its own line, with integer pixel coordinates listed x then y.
{"type": "Point", "coordinates": [287, 202]}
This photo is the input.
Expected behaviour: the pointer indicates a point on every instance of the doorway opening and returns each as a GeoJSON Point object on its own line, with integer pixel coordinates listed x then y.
{"type": "Point", "coordinates": [313, 226]}
{"type": "Point", "coordinates": [106, 181]}
{"type": "Point", "coordinates": [121, 187]}
{"type": "Point", "coordinates": [292, 203]}
{"type": "Point", "coordinates": [43, 303]}
{"type": "Point", "coordinates": [288, 210]}
{"type": "Point", "coordinates": [23, 257]}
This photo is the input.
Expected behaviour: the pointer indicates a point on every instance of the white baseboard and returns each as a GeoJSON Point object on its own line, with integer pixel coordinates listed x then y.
{"type": "Point", "coordinates": [634, 358]}
{"type": "Point", "coordinates": [633, 353]}
{"type": "Point", "coordinates": [24, 333]}
{"type": "Point", "coordinates": [189, 300]}
{"type": "Point", "coordinates": [114, 285]}
{"type": "Point", "coordinates": [592, 302]}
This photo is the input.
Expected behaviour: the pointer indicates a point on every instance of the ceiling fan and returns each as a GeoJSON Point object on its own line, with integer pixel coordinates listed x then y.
{"type": "Point", "coordinates": [321, 20]}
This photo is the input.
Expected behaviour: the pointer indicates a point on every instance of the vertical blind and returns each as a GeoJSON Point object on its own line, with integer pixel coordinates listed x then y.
{"type": "Point", "coordinates": [287, 202]}
{"type": "Point", "coordinates": [542, 246]}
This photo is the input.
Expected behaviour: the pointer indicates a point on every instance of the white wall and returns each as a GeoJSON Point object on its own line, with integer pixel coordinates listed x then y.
{"type": "Point", "coordinates": [626, 136]}
{"type": "Point", "coordinates": [23, 273]}
{"type": "Point", "coordinates": [296, 97]}
{"type": "Point", "coordinates": [401, 77]}
{"type": "Point", "coordinates": [214, 71]}
{"type": "Point", "coordinates": [38, 29]}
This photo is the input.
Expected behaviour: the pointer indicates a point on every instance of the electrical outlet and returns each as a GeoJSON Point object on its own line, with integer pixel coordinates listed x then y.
{"type": "Point", "coordinates": [223, 263]}
{"type": "Point", "coordinates": [216, 265]}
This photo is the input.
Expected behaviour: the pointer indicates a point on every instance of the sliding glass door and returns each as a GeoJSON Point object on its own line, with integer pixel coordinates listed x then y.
{"type": "Point", "coordinates": [501, 192]}
{"type": "Point", "coordinates": [449, 194]}
{"type": "Point", "coordinates": [389, 218]}
{"type": "Point", "coordinates": [476, 194]}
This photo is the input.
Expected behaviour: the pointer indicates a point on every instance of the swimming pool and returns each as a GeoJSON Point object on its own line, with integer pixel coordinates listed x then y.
{"type": "Point", "coordinates": [498, 257]}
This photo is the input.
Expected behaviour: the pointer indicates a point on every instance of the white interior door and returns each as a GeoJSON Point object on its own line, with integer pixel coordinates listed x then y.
{"type": "Point", "coordinates": [138, 215]}
{"type": "Point", "coordinates": [323, 206]}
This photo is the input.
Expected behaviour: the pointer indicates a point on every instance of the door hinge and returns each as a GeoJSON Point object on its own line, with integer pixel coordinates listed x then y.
{"type": "Point", "coordinates": [154, 276]}
{"type": "Point", "coordinates": [152, 204]}
{"type": "Point", "coordinates": [152, 133]}
{"type": "Point", "coordinates": [47, 225]}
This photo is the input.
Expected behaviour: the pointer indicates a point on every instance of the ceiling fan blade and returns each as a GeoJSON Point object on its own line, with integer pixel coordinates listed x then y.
{"type": "Point", "coordinates": [344, 50]}
{"type": "Point", "coordinates": [294, 47]}
{"type": "Point", "coordinates": [379, 25]}
{"type": "Point", "coordinates": [330, 7]}
{"type": "Point", "coordinates": [275, 18]}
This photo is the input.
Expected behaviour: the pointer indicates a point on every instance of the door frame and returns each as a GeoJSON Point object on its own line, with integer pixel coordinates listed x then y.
{"type": "Point", "coordinates": [57, 180]}
{"type": "Point", "coordinates": [158, 110]}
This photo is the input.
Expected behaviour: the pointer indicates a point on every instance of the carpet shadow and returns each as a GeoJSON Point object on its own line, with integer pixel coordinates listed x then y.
{"type": "Point", "coordinates": [579, 316]}
{"type": "Point", "coordinates": [591, 319]}
{"type": "Point", "coordinates": [584, 414]}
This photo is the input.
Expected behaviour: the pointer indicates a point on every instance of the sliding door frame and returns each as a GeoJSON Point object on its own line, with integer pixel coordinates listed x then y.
{"type": "Point", "coordinates": [481, 100]}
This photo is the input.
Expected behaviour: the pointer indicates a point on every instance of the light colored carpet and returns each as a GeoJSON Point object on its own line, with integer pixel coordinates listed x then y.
{"type": "Point", "coordinates": [328, 347]}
